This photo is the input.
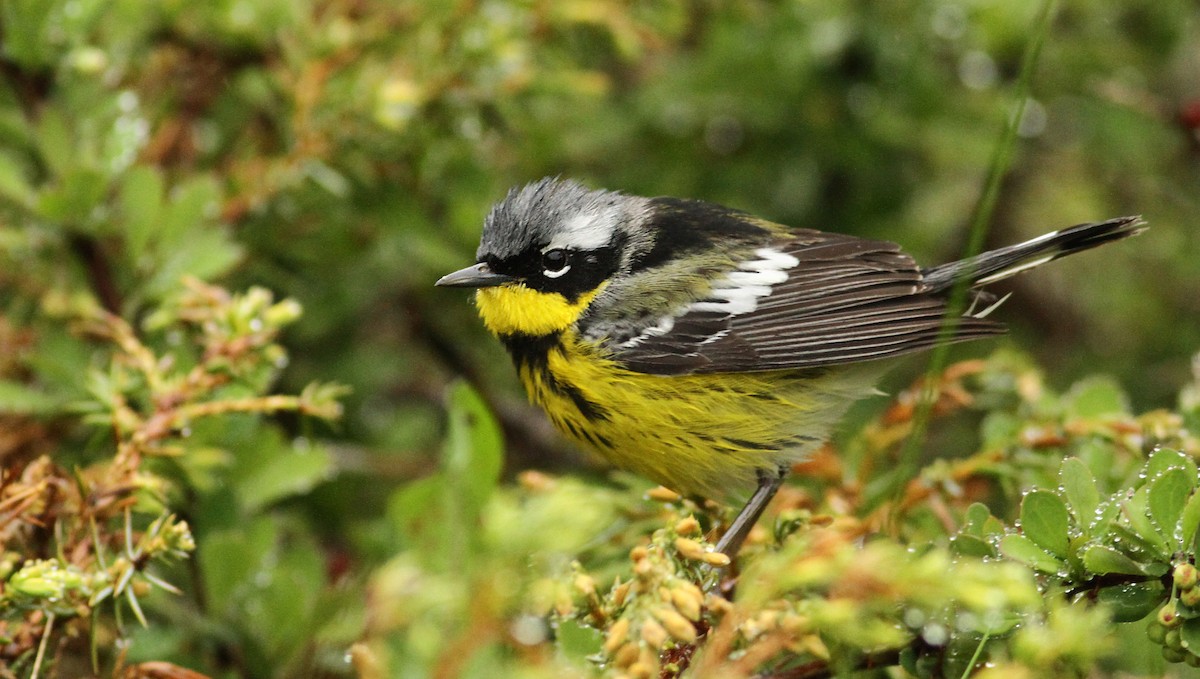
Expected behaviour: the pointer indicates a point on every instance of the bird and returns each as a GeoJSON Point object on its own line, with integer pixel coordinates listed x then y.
{"type": "Point", "coordinates": [708, 349]}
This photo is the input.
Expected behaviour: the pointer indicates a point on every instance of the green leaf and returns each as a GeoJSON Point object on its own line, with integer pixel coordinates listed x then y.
{"type": "Point", "coordinates": [1046, 521]}
{"type": "Point", "coordinates": [1189, 635]}
{"type": "Point", "coordinates": [74, 199]}
{"type": "Point", "coordinates": [1132, 541]}
{"type": "Point", "coordinates": [414, 509]}
{"type": "Point", "coordinates": [280, 607]}
{"type": "Point", "coordinates": [970, 545]}
{"type": "Point", "coordinates": [207, 255]}
{"type": "Point", "coordinates": [1168, 494]}
{"type": "Point", "coordinates": [1136, 510]}
{"type": "Point", "coordinates": [142, 203]}
{"type": "Point", "coordinates": [26, 24]}
{"type": "Point", "coordinates": [1095, 397]}
{"type": "Point", "coordinates": [1132, 602]}
{"type": "Point", "coordinates": [232, 557]}
{"type": "Point", "coordinates": [1190, 521]}
{"type": "Point", "coordinates": [284, 471]}
{"type": "Point", "coordinates": [473, 454]}
{"type": "Point", "coordinates": [14, 184]}
{"type": "Point", "coordinates": [1102, 559]}
{"type": "Point", "coordinates": [976, 516]}
{"type": "Point", "coordinates": [1163, 459]}
{"type": "Point", "coordinates": [1080, 488]}
{"type": "Point", "coordinates": [1106, 513]}
{"type": "Point", "coordinates": [577, 641]}
{"type": "Point", "coordinates": [192, 209]}
{"type": "Point", "coordinates": [999, 429]}
{"type": "Point", "coordinates": [1022, 549]}
{"type": "Point", "coordinates": [16, 397]}
{"type": "Point", "coordinates": [56, 141]}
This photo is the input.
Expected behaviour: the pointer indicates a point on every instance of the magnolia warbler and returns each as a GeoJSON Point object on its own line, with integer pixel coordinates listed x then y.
{"type": "Point", "coordinates": [703, 347]}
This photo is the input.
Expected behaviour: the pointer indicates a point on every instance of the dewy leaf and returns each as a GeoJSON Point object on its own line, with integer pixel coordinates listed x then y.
{"type": "Point", "coordinates": [970, 545]}
{"type": "Point", "coordinates": [1190, 521]}
{"type": "Point", "coordinates": [1096, 397]}
{"type": "Point", "coordinates": [1136, 511]}
{"type": "Point", "coordinates": [1106, 513]}
{"type": "Point", "coordinates": [1022, 549]}
{"type": "Point", "coordinates": [1102, 559]}
{"type": "Point", "coordinates": [1080, 489]}
{"type": "Point", "coordinates": [578, 641]}
{"type": "Point", "coordinates": [976, 516]}
{"type": "Point", "coordinates": [1168, 494]}
{"type": "Point", "coordinates": [1132, 602]}
{"type": "Point", "coordinates": [1045, 521]}
{"type": "Point", "coordinates": [1189, 635]}
{"type": "Point", "coordinates": [1164, 458]}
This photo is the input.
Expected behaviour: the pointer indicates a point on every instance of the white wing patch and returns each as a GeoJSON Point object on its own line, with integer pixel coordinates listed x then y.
{"type": "Point", "coordinates": [738, 292]}
{"type": "Point", "coordinates": [664, 326]}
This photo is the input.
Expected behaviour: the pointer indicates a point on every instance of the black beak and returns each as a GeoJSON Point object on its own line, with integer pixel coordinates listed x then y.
{"type": "Point", "coordinates": [476, 276]}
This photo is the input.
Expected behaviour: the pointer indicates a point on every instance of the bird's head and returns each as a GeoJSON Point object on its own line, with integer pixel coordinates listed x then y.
{"type": "Point", "coordinates": [548, 249]}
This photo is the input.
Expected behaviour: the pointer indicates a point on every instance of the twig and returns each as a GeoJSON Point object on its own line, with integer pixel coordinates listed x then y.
{"type": "Point", "coordinates": [41, 653]}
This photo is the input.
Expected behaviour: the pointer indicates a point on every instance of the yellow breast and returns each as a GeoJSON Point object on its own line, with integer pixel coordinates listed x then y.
{"type": "Point", "coordinates": [697, 434]}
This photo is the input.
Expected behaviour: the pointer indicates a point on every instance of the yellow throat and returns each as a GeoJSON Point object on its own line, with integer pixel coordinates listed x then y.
{"type": "Point", "coordinates": [518, 310]}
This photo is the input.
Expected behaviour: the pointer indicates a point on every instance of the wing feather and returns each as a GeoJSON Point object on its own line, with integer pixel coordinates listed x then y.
{"type": "Point", "coordinates": [814, 300]}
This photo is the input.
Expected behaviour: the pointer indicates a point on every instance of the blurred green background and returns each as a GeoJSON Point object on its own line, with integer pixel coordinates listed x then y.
{"type": "Point", "coordinates": [344, 153]}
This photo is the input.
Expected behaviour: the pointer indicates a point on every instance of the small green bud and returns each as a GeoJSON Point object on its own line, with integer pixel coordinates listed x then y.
{"type": "Point", "coordinates": [1185, 575]}
{"type": "Point", "coordinates": [283, 313]}
{"type": "Point", "coordinates": [1168, 616]}
{"type": "Point", "coordinates": [1156, 632]}
{"type": "Point", "coordinates": [179, 537]}
{"type": "Point", "coordinates": [1173, 639]}
{"type": "Point", "coordinates": [42, 588]}
{"type": "Point", "coordinates": [1190, 597]}
{"type": "Point", "coordinates": [1172, 655]}
{"type": "Point", "coordinates": [89, 60]}
{"type": "Point", "coordinates": [46, 579]}
{"type": "Point", "coordinates": [71, 579]}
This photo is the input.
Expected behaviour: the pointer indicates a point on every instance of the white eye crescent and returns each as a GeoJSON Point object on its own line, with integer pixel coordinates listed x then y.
{"type": "Point", "coordinates": [556, 262]}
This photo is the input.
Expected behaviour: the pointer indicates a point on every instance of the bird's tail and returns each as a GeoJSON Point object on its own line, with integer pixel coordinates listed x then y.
{"type": "Point", "coordinates": [995, 265]}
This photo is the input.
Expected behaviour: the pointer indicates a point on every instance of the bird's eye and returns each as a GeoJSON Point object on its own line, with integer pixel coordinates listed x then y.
{"type": "Point", "coordinates": [556, 262]}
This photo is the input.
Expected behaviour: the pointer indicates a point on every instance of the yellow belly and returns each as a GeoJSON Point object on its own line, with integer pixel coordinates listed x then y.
{"type": "Point", "coordinates": [697, 434]}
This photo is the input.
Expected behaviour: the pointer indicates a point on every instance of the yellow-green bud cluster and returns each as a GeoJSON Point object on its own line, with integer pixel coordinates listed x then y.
{"type": "Point", "coordinates": [661, 608]}
{"type": "Point", "coordinates": [1168, 627]}
{"type": "Point", "coordinates": [45, 579]}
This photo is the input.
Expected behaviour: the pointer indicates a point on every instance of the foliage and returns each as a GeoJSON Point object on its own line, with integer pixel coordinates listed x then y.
{"type": "Point", "coordinates": [933, 582]}
{"type": "Point", "coordinates": [172, 498]}
{"type": "Point", "coordinates": [79, 537]}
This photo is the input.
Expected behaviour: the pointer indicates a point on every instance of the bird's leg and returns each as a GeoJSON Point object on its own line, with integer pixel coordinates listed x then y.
{"type": "Point", "coordinates": [768, 485]}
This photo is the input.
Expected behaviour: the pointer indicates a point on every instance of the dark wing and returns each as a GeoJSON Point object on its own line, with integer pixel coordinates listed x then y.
{"type": "Point", "coordinates": [819, 299]}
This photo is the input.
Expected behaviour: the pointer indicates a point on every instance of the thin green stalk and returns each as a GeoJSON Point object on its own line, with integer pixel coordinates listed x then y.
{"type": "Point", "coordinates": [978, 652]}
{"type": "Point", "coordinates": [999, 165]}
